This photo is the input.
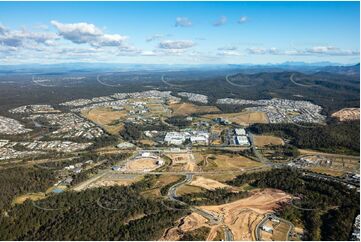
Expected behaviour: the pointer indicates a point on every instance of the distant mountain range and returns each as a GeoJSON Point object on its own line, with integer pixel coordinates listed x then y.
{"type": "Point", "coordinates": [244, 68]}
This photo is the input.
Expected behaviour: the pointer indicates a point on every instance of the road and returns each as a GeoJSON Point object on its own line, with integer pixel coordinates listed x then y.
{"type": "Point", "coordinates": [259, 156]}
{"type": "Point", "coordinates": [298, 84]}
{"type": "Point", "coordinates": [212, 218]}
{"type": "Point", "coordinates": [236, 85]}
{"type": "Point", "coordinates": [169, 84]}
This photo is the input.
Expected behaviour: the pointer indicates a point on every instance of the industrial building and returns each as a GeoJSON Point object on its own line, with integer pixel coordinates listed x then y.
{"type": "Point", "coordinates": [195, 137]}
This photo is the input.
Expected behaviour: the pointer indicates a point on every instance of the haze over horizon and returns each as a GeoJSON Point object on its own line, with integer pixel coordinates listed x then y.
{"type": "Point", "coordinates": [187, 33]}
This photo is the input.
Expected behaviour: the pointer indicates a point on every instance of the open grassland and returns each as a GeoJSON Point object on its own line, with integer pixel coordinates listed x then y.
{"type": "Point", "coordinates": [142, 164]}
{"type": "Point", "coordinates": [264, 140]}
{"type": "Point", "coordinates": [243, 118]}
{"type": "Point", "coordinates": [115, 179]}
{"type": "Point", "coordinates": [280, 231]}
{"type": "Point", "coordinates": [106, 118]}
{"type": "Point", "coordinates": [188, 189]}
{"type": "Point", "coordinates": [229, 162]}
{"type": "Point", "coordinates": [186, 109]}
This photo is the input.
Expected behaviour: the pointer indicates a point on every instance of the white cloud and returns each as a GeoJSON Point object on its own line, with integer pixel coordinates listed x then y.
{"type": "Point", "coordinates": [183, 22]}
{"type": "Point", "coordinates": [81, 33]}
{"type": "Point", "coordinates": [176, 44]}
{"type": "Point", "coordinates": [229, 47]}
{"type": "Point", "coordinates": [149, 53]}
{"type": "Point", "coordinates": [230, 53]}
{"type": "Point", "coordinates": [242, 19]}
{"type": "Point", "coordinates": [221, 21]}
{"type": "Point", "coordinates": [24, 38]}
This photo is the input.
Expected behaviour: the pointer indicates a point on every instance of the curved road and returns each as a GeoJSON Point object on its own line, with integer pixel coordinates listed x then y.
{"type": "Point", "coordinates": [298, 84]}
{"type": "Point", "coordinates": [169, 84]}
{"type": "Point", "coordinates": [212, 218]}
{"type": "Point", "coordinates": [237, 85]}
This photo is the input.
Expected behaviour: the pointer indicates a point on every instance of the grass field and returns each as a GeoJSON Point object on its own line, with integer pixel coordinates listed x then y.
{"type": "Point", "coordinates": [280, 232]}
{"type": "Point", "coordinates": [106, 118]}
{"type": "Point", "coordinates": [116, 180]}
{"type": "Point", "coordinates": [229, 162]}
{"type": "Point", "coordinates": [263, 140]}
{"type": "Point", "coordinates": [187, 189]}
{"type": "Point", "coordinates": [243, 118]}
{"type": "Point", "coordinates": [186, 109]}
{"type": "Point", "coordinates": [142, 164]}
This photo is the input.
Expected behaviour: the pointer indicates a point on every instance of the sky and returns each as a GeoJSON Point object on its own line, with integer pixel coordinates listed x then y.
{"type": "Point", "coordinates": [179, 32]}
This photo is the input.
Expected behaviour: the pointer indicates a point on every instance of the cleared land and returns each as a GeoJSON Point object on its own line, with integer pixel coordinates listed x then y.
{"type": "Point", "coordinates": [264, 140]}
{"type": "Point", "coordinates": [339, 163]}
{"type": "Point", "coordinates": [115, 180]}
{"type": "Point", "coordinates": [189, 223]}
{"type": "Point", "coordinates": [243, 118]}
{"type": "Point", "coordinates": [347, 114]}
{"type": "Point", "coordinates": [183, 161]}
{"type": "Point", "coordinates": [106, 118]}
{"type": "Point", "coordinates": [241, 216]}
{"type": "Point", "coordinates": [229, 162]}
{"type": "Point", "coordinates": [185, 109]}
{"type": "Point", "coordinates": [142, 164]}
{"type": "Point", "coordinates": [207, 183]}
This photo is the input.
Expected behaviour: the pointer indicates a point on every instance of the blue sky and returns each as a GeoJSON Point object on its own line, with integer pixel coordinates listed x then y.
{"type": "Point", "coordinates": [179, 32]}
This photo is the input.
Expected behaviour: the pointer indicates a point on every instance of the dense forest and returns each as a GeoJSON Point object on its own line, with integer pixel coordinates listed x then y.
{"type": "Point", "coordinates": [331, 206]}
{"type": "Point", "coordinates": [218, 196]}
{"type": "Point", "coordinates": [335, 137]}
{"type": "Point", "coordinates": [115, 213]}
{"type": "Point", "coordinates": [16, 181]}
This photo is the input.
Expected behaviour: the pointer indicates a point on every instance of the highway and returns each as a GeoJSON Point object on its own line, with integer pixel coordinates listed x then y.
{"type": "Point", "coordinates": [259, 156]}
{"type": "Point", "coordinates": [236, 85]}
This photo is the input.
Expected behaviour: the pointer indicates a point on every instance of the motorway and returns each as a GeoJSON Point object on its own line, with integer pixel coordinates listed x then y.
{"type": "Point", "coordinates": [212, 218]}
{"type": "Point", "coordinates": [237, 85]}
